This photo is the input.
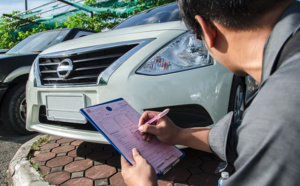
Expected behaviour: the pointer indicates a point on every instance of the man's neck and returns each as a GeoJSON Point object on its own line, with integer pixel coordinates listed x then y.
{"type": "Point", "coordinates": [250, 47]}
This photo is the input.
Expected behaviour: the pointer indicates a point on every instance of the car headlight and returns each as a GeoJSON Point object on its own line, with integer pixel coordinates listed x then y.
{"type": "Point", "coordinates": [32, 75]}
{"type": "Point", "coordinates": [183, 53]}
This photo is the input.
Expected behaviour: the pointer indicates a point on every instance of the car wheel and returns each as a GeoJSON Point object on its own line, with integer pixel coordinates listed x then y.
{"type": "Point", "coordinates": [237, 99]}
{"type": "Point", "coordinates": [14, 110]}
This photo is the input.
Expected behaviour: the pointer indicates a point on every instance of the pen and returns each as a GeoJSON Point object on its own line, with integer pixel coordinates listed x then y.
{"type": "Point", "coordinates": [157, 117]}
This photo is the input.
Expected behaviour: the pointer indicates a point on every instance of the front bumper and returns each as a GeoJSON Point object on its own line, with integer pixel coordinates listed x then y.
{"type": "Point", "coordinates": [211, 95]}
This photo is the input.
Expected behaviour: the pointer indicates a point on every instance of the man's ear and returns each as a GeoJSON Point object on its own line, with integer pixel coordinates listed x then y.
{"type": "Point", "coordinates": [209, 31]}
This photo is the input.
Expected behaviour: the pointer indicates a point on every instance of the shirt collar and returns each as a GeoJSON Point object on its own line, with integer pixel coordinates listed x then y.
{"type": "Point", "coordinates": [287, 24]}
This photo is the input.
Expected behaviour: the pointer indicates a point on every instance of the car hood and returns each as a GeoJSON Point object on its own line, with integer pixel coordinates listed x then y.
{"type": "Point", "coordinates": [10, 56]}
{"type": "Point", "coordinates": [118, 35]}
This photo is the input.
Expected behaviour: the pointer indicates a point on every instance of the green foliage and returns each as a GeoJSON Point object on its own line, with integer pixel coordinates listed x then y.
{"type": "Point", "coordinates": [36, 167]}
{"type": "Point", "coordinates": [37, 144]}
{"type": "Point", "coordinates": [23, 34]}
{"type": "Point", "coordinates": [12, 31]}
{"type": "Point", "coordinates": [36, 147]}
{"type": "Point", "coordinates": [9, 37]}
{"type": "Point", "coordinates": [98, 22]}
{"type": "Point", "coordinates": [90, 2]}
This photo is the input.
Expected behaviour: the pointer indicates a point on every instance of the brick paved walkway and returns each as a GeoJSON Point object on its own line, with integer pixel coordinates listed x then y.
{"type": "Point", "coordinates": [71, 162]}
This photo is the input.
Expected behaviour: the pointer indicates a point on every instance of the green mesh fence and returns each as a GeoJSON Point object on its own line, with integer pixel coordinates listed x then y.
{"type": "Point", "coordinates": [114, 8]}
{"type": "Point", "coordinates": [118, 7]}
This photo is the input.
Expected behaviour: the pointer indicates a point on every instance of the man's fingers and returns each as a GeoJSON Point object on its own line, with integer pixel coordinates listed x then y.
{"type": "Point", "coordinates": [146, 116]}
{"type": "Point", "coordinates": [149, 137]}
{"type": "Point", "coordinates": [151, 129]}
{"type": "Point", "coordinates": [124, 162]}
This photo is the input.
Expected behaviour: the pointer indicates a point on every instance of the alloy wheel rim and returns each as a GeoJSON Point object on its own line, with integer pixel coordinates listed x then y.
{"type": "Point", "coordinates": [22, 110]}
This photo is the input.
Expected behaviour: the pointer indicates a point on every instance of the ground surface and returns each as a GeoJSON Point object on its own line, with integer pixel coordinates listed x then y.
{"type": "Point", "coordinates": [9, 144]}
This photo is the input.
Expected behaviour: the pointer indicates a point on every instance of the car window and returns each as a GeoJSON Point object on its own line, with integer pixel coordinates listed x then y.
{"type": "Point", "coordinates": [157, 15]}
{"type": "Point", "coordinates": [38, 42]}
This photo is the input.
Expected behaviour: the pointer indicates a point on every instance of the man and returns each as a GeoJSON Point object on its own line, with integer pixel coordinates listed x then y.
{"type": "Point", "coordinates": [260, 38]}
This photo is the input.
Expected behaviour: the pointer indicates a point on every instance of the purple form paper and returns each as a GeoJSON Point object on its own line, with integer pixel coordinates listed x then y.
{"type": "Point", "coordinates": [119, 121]}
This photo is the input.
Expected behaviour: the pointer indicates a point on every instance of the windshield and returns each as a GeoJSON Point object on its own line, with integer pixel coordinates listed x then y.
{"type": "Point", "coordinates": [157, 15]}
{"type": "Point", "coordinates": [38, 42]}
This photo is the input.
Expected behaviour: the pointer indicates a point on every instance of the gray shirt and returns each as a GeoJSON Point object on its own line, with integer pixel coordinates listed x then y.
{"type": "Point", "coordinates": [266, 142]}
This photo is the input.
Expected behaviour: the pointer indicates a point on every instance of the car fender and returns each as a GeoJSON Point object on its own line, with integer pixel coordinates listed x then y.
{"type": "Point", "coordinates": [17, 73]}
{"type": "Point", "coordinates": [13, 76]}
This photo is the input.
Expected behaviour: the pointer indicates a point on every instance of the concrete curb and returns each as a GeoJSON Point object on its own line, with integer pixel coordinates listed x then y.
{"type": "Point", "coordinates": [20, 170]}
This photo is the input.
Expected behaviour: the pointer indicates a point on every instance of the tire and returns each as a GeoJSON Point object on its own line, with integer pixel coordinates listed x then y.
{"type": "Point", "coordinates": [237, 99]}
{"type": "Point", "coordinates": [14, 110]}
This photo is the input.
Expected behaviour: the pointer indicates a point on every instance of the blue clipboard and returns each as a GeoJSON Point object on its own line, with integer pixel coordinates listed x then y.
{"type": "Point", "coordinates": [162, 171]}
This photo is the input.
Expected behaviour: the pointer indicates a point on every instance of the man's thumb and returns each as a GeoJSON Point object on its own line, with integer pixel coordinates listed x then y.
{"type": "Point", "coordinates": [136, 155]}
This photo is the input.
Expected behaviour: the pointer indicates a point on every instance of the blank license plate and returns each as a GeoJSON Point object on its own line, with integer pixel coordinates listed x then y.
{"type": "Point", "coordinates": [65, 108]}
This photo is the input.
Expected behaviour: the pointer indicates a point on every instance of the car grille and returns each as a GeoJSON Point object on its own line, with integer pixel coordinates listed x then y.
{"type": "Point", "coordinates": [86, 69]}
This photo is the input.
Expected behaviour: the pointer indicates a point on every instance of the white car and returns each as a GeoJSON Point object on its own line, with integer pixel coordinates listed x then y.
{"type": "Point", "coordinates": [151, 60]}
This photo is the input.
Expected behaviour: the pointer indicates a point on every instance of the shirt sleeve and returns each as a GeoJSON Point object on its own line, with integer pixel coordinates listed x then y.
{"type": "Point", "coordinates": [221, 138]}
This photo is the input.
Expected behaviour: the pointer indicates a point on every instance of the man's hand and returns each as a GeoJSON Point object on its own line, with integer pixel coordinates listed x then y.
{"type": "Point", "coordinates": [164, 129]}
{"type": "Point", "coordinates": [142, 173]}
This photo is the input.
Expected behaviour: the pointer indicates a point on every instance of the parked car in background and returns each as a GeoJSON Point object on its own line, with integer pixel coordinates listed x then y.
{"type": "Point", "coordinates": [151, 60]}
{"type": "Point", "coordinates": [3, 51]}
{"type": "Point", "coordinates": [14, 69]}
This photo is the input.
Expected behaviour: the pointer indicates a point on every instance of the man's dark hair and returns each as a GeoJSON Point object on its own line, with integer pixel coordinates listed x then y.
{"type": "Point", "coordinates": [233, 14]}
